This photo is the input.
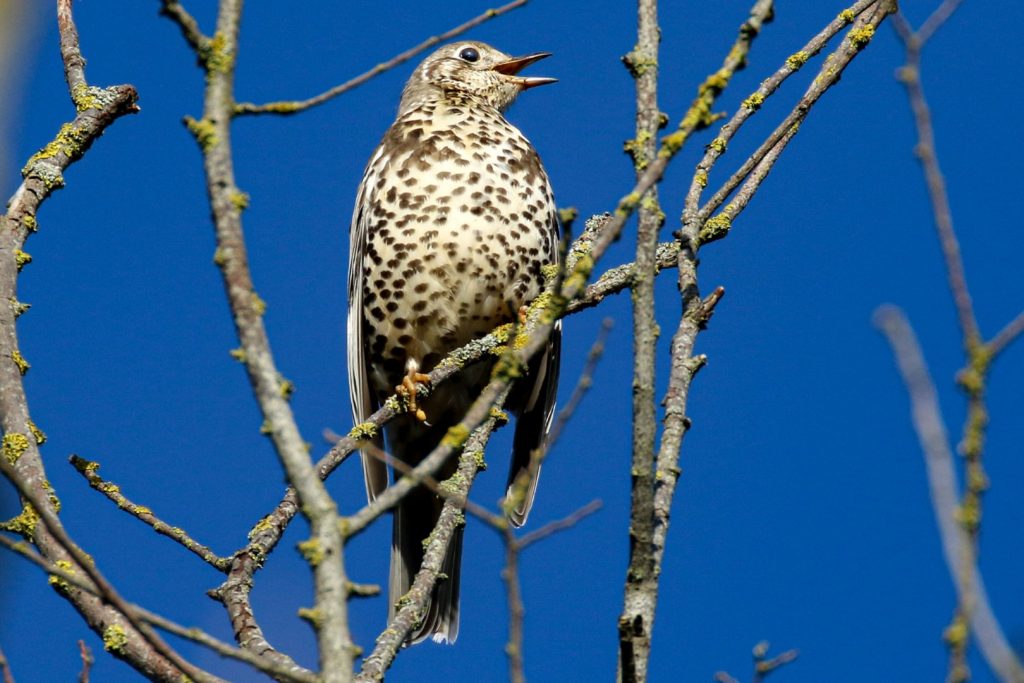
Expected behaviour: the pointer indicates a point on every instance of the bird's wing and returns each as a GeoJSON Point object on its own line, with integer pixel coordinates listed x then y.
{"type": "Point", "coordinates": [360, 389]}
{"type": "Point", "coordinates": [533, 424]}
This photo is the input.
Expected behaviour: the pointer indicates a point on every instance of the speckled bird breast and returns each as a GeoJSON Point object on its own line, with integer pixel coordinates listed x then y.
{"type": "Point", "coordinates": [462, 221]}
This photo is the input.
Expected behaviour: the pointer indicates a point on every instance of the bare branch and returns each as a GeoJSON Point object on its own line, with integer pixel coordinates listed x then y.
{"type": "Point", "coordinates": [412, 605]}
{"type": "Point", "coordinates": [64, 578]}
{"type": "Point", "coordinates": [87, 662]}
{"type": "Point", "coordinates": [752, 104]}
{"type": "Point", "coordinates": [636, 620]}
{"type": "Point", "coordinates": [936, 20]}
{"type": "Point", "coordinates": [1006, 336]}
{"type": "Point", "coordinates": [957, 546]}
{"type": "Point", "coordinates": [38, 502]}
{"type": "Point", "coordinates": [287, 107]}
{"type": "Point", "coordinates": [112, 491]}
{"type": "Point", "coordinates": [764, 666]}
{"type": "Point", "coordinates": [190, 31]}
{"type": "Point", "coordinates": [755, 169]}
{"type": "Point", "coordinates": [910, 76]}
{"type": "Point", "coordinates": [583, 384]}
{"type": "Point", "coordinates": [271, 390]}
{"type": "Point", "coordinates": [5, 668]}
{"type": "Point", "coordinates": [559, 525]}
{"type": "Point", "coordinates": [643, 61]}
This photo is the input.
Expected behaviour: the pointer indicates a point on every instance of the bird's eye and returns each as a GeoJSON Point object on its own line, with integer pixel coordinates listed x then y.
{"type": "Point", "coordinates": [469, 54]}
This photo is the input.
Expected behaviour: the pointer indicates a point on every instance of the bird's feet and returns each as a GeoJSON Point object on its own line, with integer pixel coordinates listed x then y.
{"type": "Point", "coordinates": [409, 387]}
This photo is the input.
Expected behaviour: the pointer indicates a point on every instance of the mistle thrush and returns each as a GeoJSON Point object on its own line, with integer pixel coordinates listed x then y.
{"type": "Point", "coordinates": [453, 223]}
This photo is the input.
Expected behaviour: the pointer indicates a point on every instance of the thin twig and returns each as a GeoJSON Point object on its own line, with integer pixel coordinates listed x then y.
{"type": "Point", "coordinates": [978, 357]}
{"type": "Point", "coordinates": [752, 104]}
{"type": "Point", "coordinates": [1006, 336]}
{"type": "Point", "coordinates": [755, 169]}
{"type": "Point", "coordinates": [642, 62]}
{"type": "Point", "coordinates": [513, 588]}
{"type": "Point", "coordinates": [5, 668]}
{"type": "Point", "coordinates": [910, 76]}
{"type": "Point", "coordinates": [112, 491]}
{"type": "Point", "coordinates": [936, 20]}
{"type": "Point", "coordinates": [63, 578]}
{"type": "Point", "coordinates": [764, 666]}
{"type": "Point", "coordinates": [554, 527]}
{"type": "Point", "coordinates": [409, 473]}
{"type": "Point", "coordinates": [636, 620]}
{"type": "Point", "coordinates": [413, 604]}
{"type": "Point", "coordinates": [957, 547]}
{"type": "Point", "coordinates": [38, 501]}
{"type": "Point", "coordinates": [287, 107]}
{"type": "Point", "coordinates": [87, 661]}
{"type": "Point", "coordinates": [271, 390]}
{"type": "Point", "coordinates": [190, 31]}
{"type": "Point", "coordinates": [583, 384]}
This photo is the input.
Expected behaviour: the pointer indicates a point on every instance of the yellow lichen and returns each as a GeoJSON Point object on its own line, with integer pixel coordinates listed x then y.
{"type": "Point", "coordinates": [456, 437]}
{"type": "Point", "coordinates": [59, 582]}
{"type": "Point", "coordinates": [718, 145]}
{"type": "Point", "coordinates": [716, 226]}
{"type": "Point", "coordinates": [311, 615]}
{"type": "Point", "coordinates": [797, 59]}
{"type": "Point", "coordinates": [203, 131]}
{"type": "Point", "coordinates": [860, 37]}
{"type": "Point", "coordinates": [24, 524]}
{"type": "Point", "coordinates": [312, 551]}
{"type": "Point", "coordinates": [286, 388]}
{"type": "Point", "coordinates": [115, 637]}
{"type": "Point", "coordinates": [14, 446]}
{"type": "Point", "coordinates": [239, 354]}
{"type": "Point", "coordinates": [21, 259]}
{"type": "Point", "coordinates": [18, 307]}
{"type": "Point", "coordinates": [19, 360]}
{"type": "Point", "coordinates": [265, 524]}
{"type": "Point", "coordinates": [363, 431]}
{"type": "Point", "coordinates": [239, 199]}
{"type": "Point", "coordinates": [847, 16]}
{"type": "Point", "coordinates": [70, 143]}
{"type": "Point", "coordinates": [702, 178]}
{"type": "Point", "coordinates": [628, 203]}
{"type": "Point", "coordinates": [29, 221]}
{"type": "Point", "coordinates": [754, 102]}
{"type": "Point", "coordinates": [258, 304]}
{"type": "Point", "coordinates": [39, 435]}
{"type": "Point", "coordinates": [216, 55]}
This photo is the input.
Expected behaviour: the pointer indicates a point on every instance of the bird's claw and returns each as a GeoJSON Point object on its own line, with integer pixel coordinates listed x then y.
{"type": "Point", "coordinates": [409, 388]}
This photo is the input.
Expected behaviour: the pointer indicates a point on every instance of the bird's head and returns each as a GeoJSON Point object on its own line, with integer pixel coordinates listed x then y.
{"type": "Point", "coordinates": [473, 69]}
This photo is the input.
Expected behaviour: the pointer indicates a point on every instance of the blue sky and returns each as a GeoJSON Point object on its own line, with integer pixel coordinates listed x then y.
{"type": "Point", "coordinates": [802, 515]}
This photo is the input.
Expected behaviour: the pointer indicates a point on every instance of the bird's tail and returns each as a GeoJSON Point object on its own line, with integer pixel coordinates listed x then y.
{"type": "Point", "coordinates": [414, 519]}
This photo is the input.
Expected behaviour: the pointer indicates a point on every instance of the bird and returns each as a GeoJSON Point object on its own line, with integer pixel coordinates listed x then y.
{"type": "Point", "coordinates": [453, 226]}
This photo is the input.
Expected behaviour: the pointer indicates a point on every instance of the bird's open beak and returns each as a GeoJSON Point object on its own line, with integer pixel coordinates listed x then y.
{"type": "Point", "coordinates": [517, 64]}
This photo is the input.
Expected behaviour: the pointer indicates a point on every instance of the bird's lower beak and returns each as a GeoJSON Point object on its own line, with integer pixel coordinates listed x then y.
{"type": "Point", "coordinates": [517, 64]}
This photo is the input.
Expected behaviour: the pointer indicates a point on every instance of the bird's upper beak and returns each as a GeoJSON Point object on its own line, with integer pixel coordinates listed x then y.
{"type": "Point", "coordinates": [517, 64]}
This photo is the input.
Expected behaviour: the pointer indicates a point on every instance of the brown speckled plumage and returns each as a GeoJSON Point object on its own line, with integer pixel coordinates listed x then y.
{"type": "Point", "coordinates": [453, 223]}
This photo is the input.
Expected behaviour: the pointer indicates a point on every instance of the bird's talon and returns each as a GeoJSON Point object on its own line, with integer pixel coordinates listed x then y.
{"type": "Point", "coordinates": [409, 387]}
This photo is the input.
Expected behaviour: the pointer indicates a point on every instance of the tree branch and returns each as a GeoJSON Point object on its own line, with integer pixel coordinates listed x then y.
{"type": "Point", "coordinates": [287, 107]}
{"type": "Point", "coordinates": [957, 545]}
{"type": "Point", "coordinates": [324, 550]}
{"type": "Point", "coordinates": [636, 620]}
{"type": "Point", "coordinates": [112, 491]}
